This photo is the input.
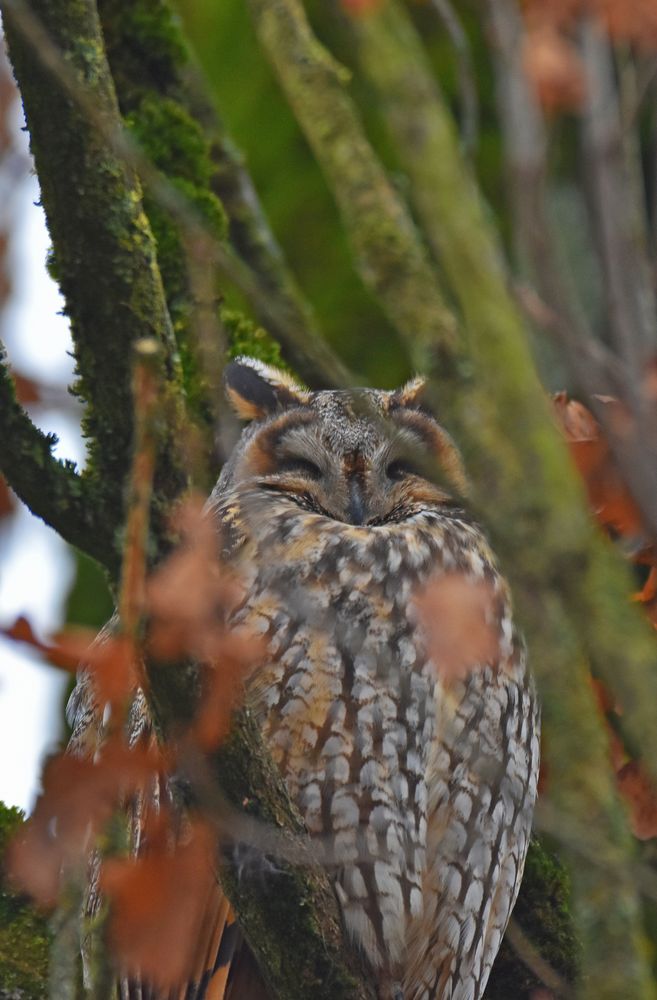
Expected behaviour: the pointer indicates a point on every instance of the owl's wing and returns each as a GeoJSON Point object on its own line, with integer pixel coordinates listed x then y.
{"type": "Point", "coordinates": [224, 967]}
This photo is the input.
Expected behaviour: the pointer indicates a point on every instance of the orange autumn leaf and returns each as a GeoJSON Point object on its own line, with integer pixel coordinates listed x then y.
{"type": "Point", "coordinates": [554, 69]}
{"type": "Point", "coordinates": [608, 495]}
{"type": "Point", "coordinates": [28, 391]}
{"type": "Point", "coordinates": [157, 904]}
{"type": "Point", "coordinates": [77, 800]}
{"type": "Point", "coordinates": [625, 20]}
{"type": "Point", "coordinates": [640, 795]}
{"type": "Point", "coordinates": [189, 595]}
{"type": "Point", "coordinates": [223, 687]}
{"type": "Point", "coordinates": [111, 662]}
{"type": "Point", "coordinates": [62, 654]}
{"type": "Point", "coordinates": [629, 20]}
{"type": "Point", "coordinates": [648, 596]}
{"type": "Point", "coordinates": [360, 8]}
{"type": "Point", "coordinates": [112, 665]}
{"type": "Point", "coordinates": [460, 617]}
{"type": "Point", "coordinates": [7, 501]}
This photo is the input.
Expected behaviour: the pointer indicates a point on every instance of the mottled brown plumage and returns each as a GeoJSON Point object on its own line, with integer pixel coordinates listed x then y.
{"type": "Point", "coordinates": [416, 782]}
{"type": "Point", "coordinates": [419, 790]}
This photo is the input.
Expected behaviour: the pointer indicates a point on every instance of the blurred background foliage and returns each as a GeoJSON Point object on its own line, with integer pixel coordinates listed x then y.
{"type": "Point", "coordinates": [299, 205]}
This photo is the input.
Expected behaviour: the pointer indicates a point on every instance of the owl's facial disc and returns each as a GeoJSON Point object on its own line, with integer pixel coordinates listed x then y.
{"type": "Point", "coordinates": [374, 478]}
{"type": "Point", "coordinates": [361, 457]}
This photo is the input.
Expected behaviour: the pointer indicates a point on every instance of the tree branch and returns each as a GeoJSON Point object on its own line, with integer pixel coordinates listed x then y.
{"type": "Point", "coordinates": [291, 320]}
{"type": "Point", "coordinates": [51, 489]}
{"type": "Point", "coordinates": [467, 83]}
{"type": "Point", "coordinates": [388, 251]}
{"type": "Point", "coordinates": [561, 571]}
{"type": "Point", "coordinates": [631, 307]}
{"type": "Point", "coordinates": [104, 251]}
{"type": "Point", "coordinates": [176, 123]}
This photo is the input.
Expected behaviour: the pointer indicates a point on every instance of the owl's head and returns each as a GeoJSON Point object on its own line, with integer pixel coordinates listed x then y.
{"type": "Point", "coordinates": [363, 456]}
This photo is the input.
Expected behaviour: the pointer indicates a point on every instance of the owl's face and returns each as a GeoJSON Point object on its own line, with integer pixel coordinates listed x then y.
{"type": "Point", "coordinates": [362, 457]}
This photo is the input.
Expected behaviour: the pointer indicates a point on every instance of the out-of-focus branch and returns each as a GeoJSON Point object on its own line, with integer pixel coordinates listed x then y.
{"type": "Point", "coordinates": [469, 100]}
{"type": "Point", "coordinates": [388, 251]}
{"type": "Point", "coordinates": [596, 368]}
{"type": "Point", "coordinates": [145, 383]}
{"type": "Point", "coordinates": [562, 573]}
{"type": "Point", "coordinates": [293, 325]}
{"type": "Point", "coordinates": [534, 961]}
{"type": "Point", "coordinates": [618, 218]}
{"type": "Point", "coordinates": [295, 931]}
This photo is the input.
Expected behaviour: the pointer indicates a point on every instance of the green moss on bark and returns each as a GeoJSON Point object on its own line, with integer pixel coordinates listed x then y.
{"type": "Point", "coordinates": [543, 914]}
{"type": "Point", "coordinates": [387, 248]}
{"type": "Point", "coordinates": [247, 338]}
{"type": "Point", "coordinates": [24, 934]}
{"type": "Point", "coordinates": [103, 246]}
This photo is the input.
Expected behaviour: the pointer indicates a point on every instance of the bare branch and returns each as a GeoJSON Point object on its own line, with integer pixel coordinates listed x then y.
{"type": "Point", "coordinates": [534, 961]}
{"type": "Point", "coordinates": [466, 74]}
{"type": "Point", "coordinates": [388, 251]}
{"type": "Point", "coordinates": [618, 218]}
{"type": "Point", "coordinates": [51, 489]}
{"type": "Point", "coordinates": [275, 295]}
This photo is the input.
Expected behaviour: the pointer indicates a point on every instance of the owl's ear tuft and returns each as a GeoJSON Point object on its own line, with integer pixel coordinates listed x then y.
{"type": "Point", "coordinates": [411, 395]}
{"type": "Point", "coordinates": [256, 390]}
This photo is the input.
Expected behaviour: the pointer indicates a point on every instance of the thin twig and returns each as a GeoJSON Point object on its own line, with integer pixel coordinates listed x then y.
{"type": "Point", "coordinates": [535, 962]}
{"type": "Point", "coordinates": [146, 393]}
{"type": "Point", "coordinates": [618, 214]}
{"type": "Point", "coordinates": [469, 100]}
{"type": "Point", "coordinates": [597, 370]}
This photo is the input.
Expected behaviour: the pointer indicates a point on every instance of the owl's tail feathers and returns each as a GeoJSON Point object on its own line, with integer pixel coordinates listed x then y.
{"type": "Point", "coordinates": [224, 966]}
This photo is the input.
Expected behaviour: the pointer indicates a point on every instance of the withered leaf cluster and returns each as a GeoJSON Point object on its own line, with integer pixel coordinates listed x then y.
{"type": "Point", "coordinates": [157, 896]}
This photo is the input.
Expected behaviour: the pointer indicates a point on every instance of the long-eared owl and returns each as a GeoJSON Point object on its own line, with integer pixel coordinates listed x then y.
{"type": "Point", "coordinates": [413, 763]}
{"type": "Point", "coordinates": [417, 779]}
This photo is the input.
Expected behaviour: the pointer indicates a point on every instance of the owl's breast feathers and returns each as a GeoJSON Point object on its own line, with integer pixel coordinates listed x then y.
{"type": "Point", "coordinates": [417, 788]}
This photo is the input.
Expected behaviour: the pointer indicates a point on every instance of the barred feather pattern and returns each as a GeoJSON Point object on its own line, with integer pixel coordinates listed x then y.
{"type": "Point", "coordinates": [419, 795]}
{"type": "Point", "coordinates": [417, 786]}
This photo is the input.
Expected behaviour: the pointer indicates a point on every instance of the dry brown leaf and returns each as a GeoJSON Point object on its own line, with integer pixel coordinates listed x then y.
{"type": "Point", "coordinates": [648, 596]}
{"type": "Point", "coordinates": [541, 993]}
{"type": "Point", "coordinates": [63, 654]}
{"type": "Point", "coordinates": [554, 69]}
{"type": "Point", "coordinates": [7, 500]}
{"type": "Point", "coordinates": [223, 687]}
{"type": "Point", "coordinates": [188, 597]}
{"type": "Point", "coordinates": [460, 617]}
{"type": "Point", "coordinates": [157, 904]}
{"type": "Point", "coordinates": [78, 798]}
{"type": "Point", "coordinates": [360, 8]}
{"type": "Point", "coordinates": [608, 495]}
{"type": "Point", "coordinates": [28, 391]}
{"type": "Point", "coordinates": [630, 20]}
{"type": "Point", "coordinates": [110, 662]}
{"type": "Point", "coordinates": [638, 792]}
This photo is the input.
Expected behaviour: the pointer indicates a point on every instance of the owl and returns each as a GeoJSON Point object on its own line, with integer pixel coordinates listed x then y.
{"type": "Point", "coordinates": [415, 778]}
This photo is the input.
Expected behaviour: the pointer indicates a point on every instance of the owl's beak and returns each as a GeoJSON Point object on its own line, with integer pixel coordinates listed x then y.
{"type": "Point", "coordinates": [357, 506]}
